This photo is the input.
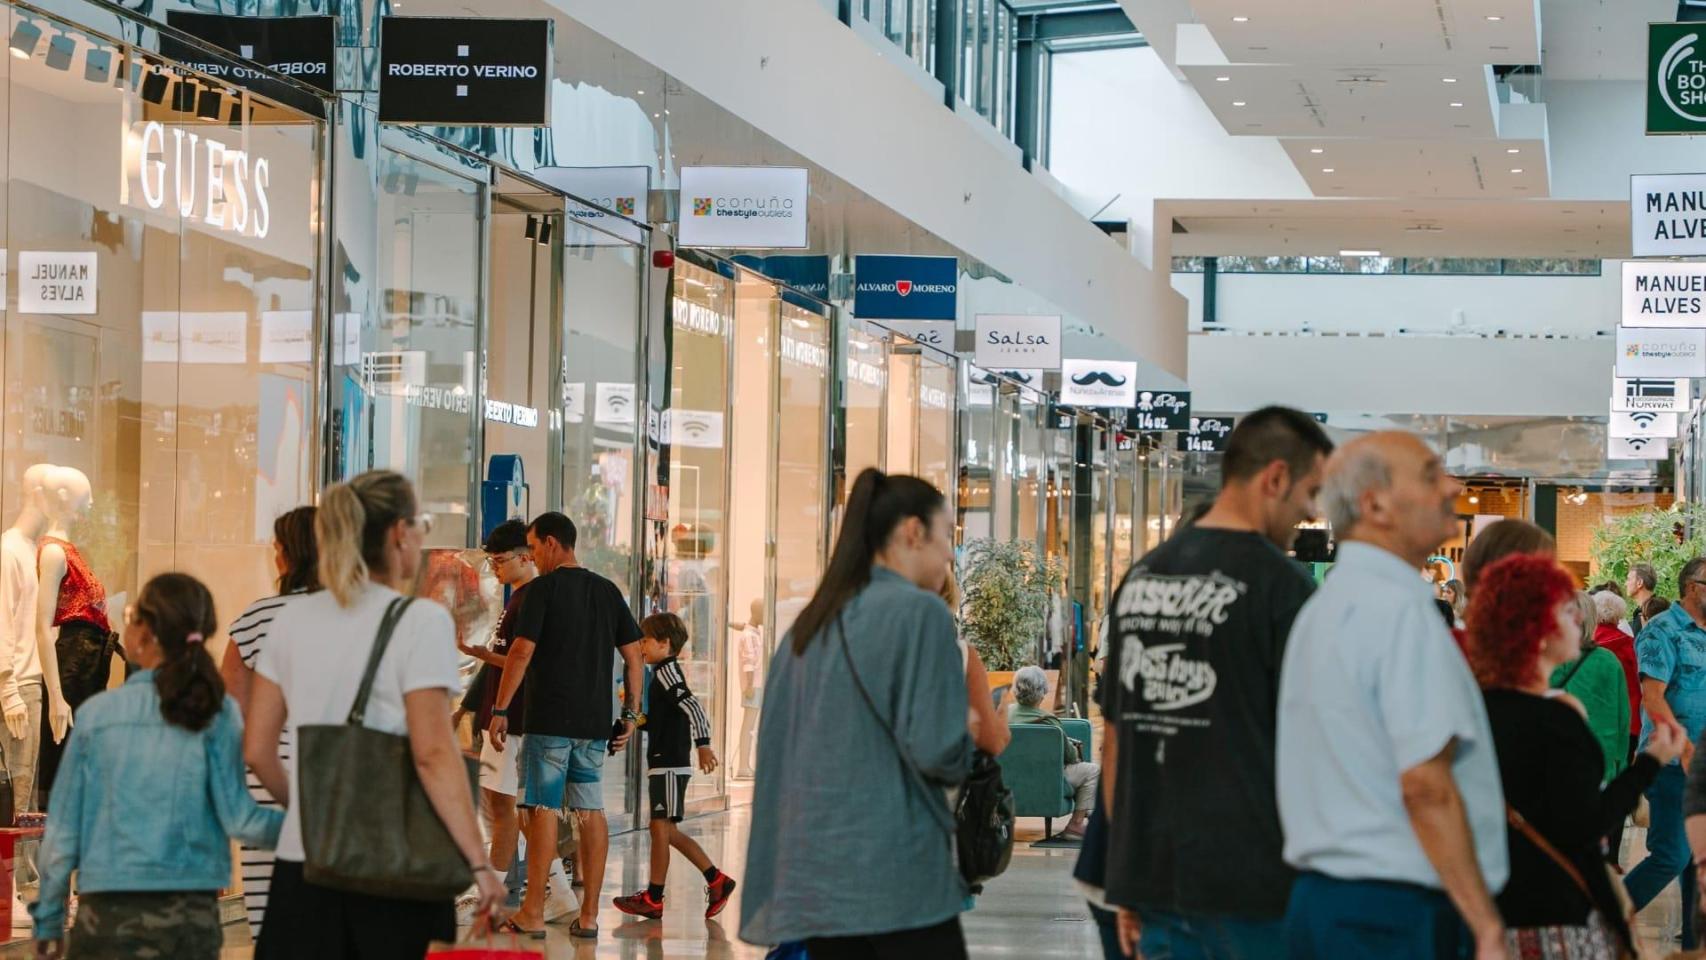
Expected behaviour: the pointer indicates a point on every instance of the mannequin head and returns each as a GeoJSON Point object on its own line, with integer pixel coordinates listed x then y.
{"type": "Point", "coordinates": [32, 511]}
{"type": "Point", "coordinates": [67, 495]}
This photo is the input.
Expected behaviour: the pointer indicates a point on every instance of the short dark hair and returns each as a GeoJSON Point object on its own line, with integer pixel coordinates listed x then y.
{"type": "Point", "coordinates": [1690, 571]}
{"type": "Point", "coordinates": [555, 525]}
{"type": "Point", "coordinates": [506, 536]}
{"type": "Point", "coordinates": [1609, 586]}
{"type": "Point", "coordinates": [665, 626]}
{"type": "Point", "coordinates": [1269, 434]}
{"type": "Point", "coordinates": [1500, 539]}
{"type": "Point", "coordinates": [1645, 573]}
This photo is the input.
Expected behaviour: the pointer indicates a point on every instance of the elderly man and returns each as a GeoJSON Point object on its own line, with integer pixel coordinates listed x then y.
{"type": "Point", "coordinates": [1388, 785]}
{"type": "Point", "coordinates": [1030, 685]}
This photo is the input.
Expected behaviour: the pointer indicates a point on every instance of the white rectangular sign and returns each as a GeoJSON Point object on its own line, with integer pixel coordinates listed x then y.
{"type": "Point", "coordinates": [287, 336]}
{"type": "Point", "coordinates": [695, 428]}
{"type": "Point", "coordinates": [574, 402]}
{"type": "Point", "coordinates": [1667, 213]}
{"type": "Point", "coordinates": [615, 404]}
{"type": "Point", "coordinates": [1664, 293]}
{"type": "Point", "coordinates": [1098, 383]}
{"type": "Point", "coordinates": [50, 282]}
{"type": "Point", "coordinates": [1013, 340]}
{"type": "Point", "coordinates": [1637, 448]}
{"type": "Point", "coordinates": [159, 336]}
{"type": "Point", "coordinates": [1658, 394]}
{"type": "Point", "coordinates": [621, 190]}
{"type": "Point", "coordinates": [213, 337]}
{"type": "Point", "coordinates": [750, 208]}
{"type": "Point", "coordinates": [1656, 352]}
{"type": "Point", "coordinates": [935, 333]}
{"type": "Point", "coordinates": [1642, 424]}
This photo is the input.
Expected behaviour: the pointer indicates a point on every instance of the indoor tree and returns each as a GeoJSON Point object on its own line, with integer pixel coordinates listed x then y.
{"type": "Point", "coordinates": [1665, 538]}
{"type": "Point", "coordinates": [1007, 585]}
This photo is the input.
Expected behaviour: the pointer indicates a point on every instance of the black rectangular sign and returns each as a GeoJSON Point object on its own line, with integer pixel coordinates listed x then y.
{"type": "Point", "coordinates": [302, 48]}
{"type": "Point", "coordinates": [465, 71]}
{"type": "Point", "coordinates": [1159, 410]}
{"type": "Point", "coordinates": [1206, 435]}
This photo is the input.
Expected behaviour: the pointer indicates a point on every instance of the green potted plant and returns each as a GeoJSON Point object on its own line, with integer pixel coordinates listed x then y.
{"type": "Point", "coordinates": [1650, 536]}
{"type": "Point", "coordinates": [1006, 586]}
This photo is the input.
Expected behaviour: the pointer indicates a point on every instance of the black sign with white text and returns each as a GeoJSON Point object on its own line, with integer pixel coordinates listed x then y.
{"type": "Point", "coordinates": [1159, 410]}
{"type": "Point", "coordinates": [464, 71]}
{"type": "Point", "coordinates": [302, 48]}
{"type": "Point", "coordinates": [1206, 435]}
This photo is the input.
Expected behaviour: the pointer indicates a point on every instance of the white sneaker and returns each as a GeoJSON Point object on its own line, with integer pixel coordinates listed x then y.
{"type": "Point", "coordinates": [466, 905]}
{"type": "Point", "coordinates": [560, 901]}
{"type": "Point", "coordinates": [21, 914]}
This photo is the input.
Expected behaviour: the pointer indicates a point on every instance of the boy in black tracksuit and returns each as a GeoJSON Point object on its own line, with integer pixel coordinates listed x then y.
{"type": "Point", "coordinates": [674, 725]}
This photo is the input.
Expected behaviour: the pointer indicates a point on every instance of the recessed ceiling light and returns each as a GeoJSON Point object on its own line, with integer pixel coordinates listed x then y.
{"type": "Point", "coordinates": [1317, 150]}
{"type": "Point", "coordinates": [1456, 104]}
{"type": "Point", "coordinates": [1240, 19]}
{"type": "Point", "coordinates": [1238, 103]}
{"type": "Point", "coordinates": [1448, 79]}
{"type": "Point", "coordinates": [639, 93]}
{"type": "Point", "coordinates": [1512, 150]}
{"type": "Point", "coordinates": [1516, 169]}
{"type": "Point", "coordinates": [1359, 253]}
{"type": "Point", "coordinates": [1494, 18]}
{"type": "Point", "coordinates": [1222, 79]}
{"type": "Point", "coordinates": [1326, 169]}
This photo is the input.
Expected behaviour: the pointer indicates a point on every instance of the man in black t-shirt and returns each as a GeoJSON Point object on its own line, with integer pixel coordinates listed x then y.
{"type": "Point", "coordinates": [573, 623]}
{"type": "Point", "coordinates": [1198, 631]}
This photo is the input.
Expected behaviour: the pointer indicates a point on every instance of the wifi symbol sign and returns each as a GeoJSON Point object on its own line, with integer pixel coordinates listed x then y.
{"type": "Point", "coordinates": [1643, 419]}
{"type": "Point", "coordinates": [693, 429]}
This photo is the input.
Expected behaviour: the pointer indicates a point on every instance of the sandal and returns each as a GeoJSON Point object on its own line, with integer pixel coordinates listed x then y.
{"type": "Point", "coordinates": [510, 926]}
{"type": "Point", "coordinates": [580, 932]}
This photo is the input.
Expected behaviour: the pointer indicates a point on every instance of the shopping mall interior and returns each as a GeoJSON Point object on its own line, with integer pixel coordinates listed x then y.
{"type": "Point", "coordinates": [682, 271]}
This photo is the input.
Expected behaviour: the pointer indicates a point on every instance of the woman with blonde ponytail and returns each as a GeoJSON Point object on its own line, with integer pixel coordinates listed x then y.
{"type": "Point", "coordinates": [370, 534]}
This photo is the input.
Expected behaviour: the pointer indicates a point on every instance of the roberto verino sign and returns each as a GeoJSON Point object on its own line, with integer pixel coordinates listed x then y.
{"type": "Point", "coordinates": [464, 71]}
{"type": "Point", "coordinates": [1676, 78]}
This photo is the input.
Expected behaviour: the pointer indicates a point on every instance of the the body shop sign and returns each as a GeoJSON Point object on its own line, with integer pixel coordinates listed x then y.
{"type": "Point", "coordinates": [464, 71]}
{"type": "Point", "coordinates": [1667, 214]}
{"type": "Point", "coordinates": [1676, 78]}
{"type": "Point", "coordinates": [1661, 352]}
{"type": "Point", "coordinates": [1024, 341]}
{"type": "Point", "coordinates": [1098, 383]}
{"type": "Point", "coordinates": [1664, 294]}
{"type": "Point", "coordinates": [744, 208]}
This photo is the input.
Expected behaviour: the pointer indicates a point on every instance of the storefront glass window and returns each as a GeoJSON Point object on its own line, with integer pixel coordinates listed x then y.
{"type": "Point", "coordinates": [866, 382]}
{"type": "Point", "coordinates": [977, 455]}
{"type": "Point", "coordinates": [160, 316]}
{"type": "Point", "coordinates": [935, 444]}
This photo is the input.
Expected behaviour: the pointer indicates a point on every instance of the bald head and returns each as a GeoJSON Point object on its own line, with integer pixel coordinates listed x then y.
{"type": "Point", "coordinates": [1390, 489]}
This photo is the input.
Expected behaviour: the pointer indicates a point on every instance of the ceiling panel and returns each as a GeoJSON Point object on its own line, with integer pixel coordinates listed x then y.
{"type": "Point", "coordinates": [1375, 32]}
{"type": "Point", "coordinates": [1599, 39]}
{"type": "Point", "coordinates": [1514, 169]}
{"type": "Point", "coordinates": [1284, 100]}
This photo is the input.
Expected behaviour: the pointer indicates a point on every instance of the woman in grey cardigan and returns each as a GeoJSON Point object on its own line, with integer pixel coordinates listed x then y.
{"type": "Point", "coordinates": [863, 729]}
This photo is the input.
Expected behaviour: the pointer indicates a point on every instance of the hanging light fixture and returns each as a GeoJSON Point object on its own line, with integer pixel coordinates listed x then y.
{"type": "Point", "coordinates": [531, 232]}
{"type": "Point", "coordinates": [25, 37]}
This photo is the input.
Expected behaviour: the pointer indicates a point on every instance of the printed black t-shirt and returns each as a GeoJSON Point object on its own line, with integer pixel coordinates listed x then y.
{"type": "Point", "coordinates": [1198, 631]}
{"type": "Point", "coordinates": [483, 692]}
{"type": "Point", "coordinates": [576, 619]}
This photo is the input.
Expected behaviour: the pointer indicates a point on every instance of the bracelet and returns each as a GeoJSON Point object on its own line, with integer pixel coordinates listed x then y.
{"type": "Point", "coordinates": [487, 868]}
{"type": "Point", "coordinates": [500, 711]}
{"type": "Point", "coordinates": [630, 715]}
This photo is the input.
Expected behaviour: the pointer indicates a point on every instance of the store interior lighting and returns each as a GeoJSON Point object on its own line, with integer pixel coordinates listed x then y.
{"type": "Point", "coordinates": [183, 96]}
{"type": "Point", "coordinates": [154, 86]}
{"type": "Point", "coordinates": [25, 37]}
{"type": "Point", "coordinates": [60, 51]}
{"type": "Point", "coordinates": [98, 65]}
{"type": "Point", "coordinates": [531, 231]}
{"type": "Point", "coordinates": [208, 107]}
{"type": "Point", "coordinates": [544, 232]}
{"type": "Point", "coordinates": [236, 118]}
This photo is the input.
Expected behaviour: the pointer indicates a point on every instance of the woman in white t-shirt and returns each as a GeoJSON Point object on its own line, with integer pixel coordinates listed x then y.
{"type": "Point", "coordinates": [370, 536]}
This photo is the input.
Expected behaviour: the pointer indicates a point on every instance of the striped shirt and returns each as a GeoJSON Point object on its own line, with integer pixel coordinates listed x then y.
{"type": "Point", "coordinates": [249, 633]}
{"type": "Point", "coordinates": [675, 723]}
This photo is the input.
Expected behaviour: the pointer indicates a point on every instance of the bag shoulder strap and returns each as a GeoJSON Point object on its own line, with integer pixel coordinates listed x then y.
{"type": "Point", "coordinates": [912, 770]}
{"type": "Point", "coordinates": [387, 626]}
{"type": "Point", "coordinates": [1545, 846]}
{"type": "Point", "coordinates": [1580, 661]}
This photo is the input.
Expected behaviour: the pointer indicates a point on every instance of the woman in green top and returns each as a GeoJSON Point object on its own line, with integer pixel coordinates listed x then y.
{"type": "Point", "coordinates": [1596, 679]}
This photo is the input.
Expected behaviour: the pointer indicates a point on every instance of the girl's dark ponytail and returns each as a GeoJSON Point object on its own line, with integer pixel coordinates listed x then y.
{"type": "Point", "coordinates": [876, 505]}
{"type": "Point", "coordinates": [179, 612]}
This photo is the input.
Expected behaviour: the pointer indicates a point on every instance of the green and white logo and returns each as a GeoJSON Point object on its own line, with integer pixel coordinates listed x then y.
{"type": "Point", "coordinates": [1676, 78]}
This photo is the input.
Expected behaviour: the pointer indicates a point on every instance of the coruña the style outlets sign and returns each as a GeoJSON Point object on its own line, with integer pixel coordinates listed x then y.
{"type": "Point", "coordinates": [465, 71]}
{"type": "Point", "coordinates": [1658, 352]}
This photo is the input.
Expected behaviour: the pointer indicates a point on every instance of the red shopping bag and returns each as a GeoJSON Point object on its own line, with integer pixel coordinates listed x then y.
{"type": "Point", "coordinates": [483, 948]}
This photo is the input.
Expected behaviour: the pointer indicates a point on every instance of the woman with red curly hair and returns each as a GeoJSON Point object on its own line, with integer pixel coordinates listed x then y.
{"type": "Point", "coordinates": [1524, 620]}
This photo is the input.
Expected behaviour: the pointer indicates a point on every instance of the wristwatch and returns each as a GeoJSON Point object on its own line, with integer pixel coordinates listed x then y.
{"type": "Point", "coordinates": [635, 718]}
{"type": "Point", "coordinates": [500, 711]}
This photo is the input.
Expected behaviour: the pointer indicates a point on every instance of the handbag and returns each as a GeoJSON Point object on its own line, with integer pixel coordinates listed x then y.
{"type": "Point", "coordinates": [1596, 940]}
{"type": "Point", "coordinates": [983, 814]}
{"type": "Point", "coordinates": [469, 950]}
{"type": "Point", "coordinates": [367, 824]}
{"type": "Point", "coordinates": [788, 951]}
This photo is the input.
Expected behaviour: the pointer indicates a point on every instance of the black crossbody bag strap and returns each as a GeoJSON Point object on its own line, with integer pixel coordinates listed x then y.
{"type": "Point", "coordinates": [387, 626]}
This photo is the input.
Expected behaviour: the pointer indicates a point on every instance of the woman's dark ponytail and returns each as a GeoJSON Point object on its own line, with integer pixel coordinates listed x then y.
{"type": "Point", "coordinates": [179, 612]}
{"type": "Point", "coordinates": [876, 505]}
{"type": "Point", "coordinates": [294, 532]}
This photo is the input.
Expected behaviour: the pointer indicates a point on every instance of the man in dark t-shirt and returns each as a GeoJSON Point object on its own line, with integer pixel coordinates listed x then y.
{"type": "Point", "coordinates": [572, 625]}
{"type": "Point", "coordinates": [1198, 631]}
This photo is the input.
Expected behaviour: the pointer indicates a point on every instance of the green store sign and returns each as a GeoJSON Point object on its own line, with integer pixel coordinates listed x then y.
{"type": "Point", "coordinates": [1676, 78]}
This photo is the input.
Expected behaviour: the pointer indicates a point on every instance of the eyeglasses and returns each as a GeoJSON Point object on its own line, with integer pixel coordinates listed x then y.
{"type": "Point", "coordinates": [496, 560]}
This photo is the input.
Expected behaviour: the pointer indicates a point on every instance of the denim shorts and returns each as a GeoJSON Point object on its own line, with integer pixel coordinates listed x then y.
{"type": "Point", "coordinates": [562, 771]}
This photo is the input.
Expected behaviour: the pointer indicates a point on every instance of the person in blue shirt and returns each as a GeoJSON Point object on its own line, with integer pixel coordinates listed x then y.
{"type": "Point", "coordinates": [149, 796]}
{"type": "Point", "coordinates": [1671, 653]}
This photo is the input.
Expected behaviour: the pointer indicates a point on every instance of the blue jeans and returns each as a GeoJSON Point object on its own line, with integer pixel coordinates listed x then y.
{"type": "Point", "coordinates": [1667, 850]}
{"type": "Point", "coordinates": [1187, 936]}
{"type": "Point", "coordinates": [1331, 919]}
{"type": "Point", "coordinates": [561, 771]}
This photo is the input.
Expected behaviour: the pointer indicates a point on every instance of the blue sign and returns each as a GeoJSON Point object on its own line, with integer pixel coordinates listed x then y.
{"type": "Point", "coordinates": [905, 288]}
{"type": "Point", "coordinates": [809, 275]}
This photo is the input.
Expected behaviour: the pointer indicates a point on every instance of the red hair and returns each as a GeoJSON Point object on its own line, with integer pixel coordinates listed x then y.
{"type": "Point", "coordinates": [1510, 614]}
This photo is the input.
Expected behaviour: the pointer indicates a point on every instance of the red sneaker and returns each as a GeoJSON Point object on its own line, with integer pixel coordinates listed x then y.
{"type": "Point", "coordinates": [640, 905]}
{"type": "Point", "coordinates": [717, 894]}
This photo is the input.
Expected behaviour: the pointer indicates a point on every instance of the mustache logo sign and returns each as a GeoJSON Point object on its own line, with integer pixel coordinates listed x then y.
{"type": "Point", "coordinates": [1102, 377]}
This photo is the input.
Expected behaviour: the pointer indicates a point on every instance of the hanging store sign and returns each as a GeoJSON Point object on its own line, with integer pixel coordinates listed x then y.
{"type": "Point", "coordinates": [1024, 378]}
{"type": "Point", "coordinates": [57, 282]}
{"type": "Point", "coordinates": [905, 288]}
{"type": "Point", "coordinates": [935, 333]}
{"type": "Point", "coordinates": [1159, 410]}
{"type": "Point", "coordinates": [1206, 435]}
{"type": "Point", "coordinates": [1098, 383]}
{"type": "Point", "coordinates": [1637, 448]}
{"type": "Point", "coordinates": [808, 275]}
{"type": "Point", "coordinates": [615, 405]}
{"type": "Point", "coordinates": [301, 48]}
{"type": "Point", "coordinates": [1664, 293]}
{"type": "Point", "coordinates": [465, 71]}
{"type": "Point", "coordinates": [1667, 214]}
{"type": "Point", "coordinates": [1018, 340]}
{"type": "Point", "coordinates": [1676, 78]}
{"type": "Point", "coordinates": [749, 208]}
{"type": "Point", "coordinates": [615, 197]}
{"type": "Point", "coordinates": [1661, 353]}
{"type": "Point", "coordinates": [1657, 394]}
{"type": "Point", "coordinates": [1642, 424]}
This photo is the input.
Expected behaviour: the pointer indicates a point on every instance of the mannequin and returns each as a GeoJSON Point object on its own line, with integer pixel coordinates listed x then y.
{"type": "Point", "coordinates": [21, 689]}
{"type": "Point", "coordinates": [751, 663]}
{"type": "Point", "coordinates": [74, 636]}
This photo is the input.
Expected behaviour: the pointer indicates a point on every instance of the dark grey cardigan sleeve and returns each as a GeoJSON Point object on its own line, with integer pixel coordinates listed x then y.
{"type": "Point", "coordinates": [1694, 797]}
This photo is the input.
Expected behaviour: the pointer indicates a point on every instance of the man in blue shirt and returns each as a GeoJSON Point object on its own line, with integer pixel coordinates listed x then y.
{"type": "Point", "coordinates": [1671, 652]}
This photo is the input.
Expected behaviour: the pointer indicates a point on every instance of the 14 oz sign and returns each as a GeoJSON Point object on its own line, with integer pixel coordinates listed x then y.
{"type": "Point", "coordinates": [1207, 435]}
{"type": "Point", "coordinates": [1159, 410]}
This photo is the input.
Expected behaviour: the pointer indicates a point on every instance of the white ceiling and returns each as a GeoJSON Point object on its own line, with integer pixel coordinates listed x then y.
{"type": "Point", "coordinates": [1399, 228]}
{"type": "Point", "coordinates": [1309, 100]}
{"type": "Point", "coordinates": [1374, 32]}
{"type": "Point", "coordinates": [1599, 39]}
{"type": "Point", "coordinates": [1510, 169]}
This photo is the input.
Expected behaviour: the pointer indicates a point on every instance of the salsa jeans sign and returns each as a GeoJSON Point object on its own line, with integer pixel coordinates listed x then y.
{"type": "Point", "coordinates": [1021, 341]}
{"type": "Point", "coordinates": [751, 208]}
{"type": "Point", "coordinates": [465, 71]}
{"type": "Point", "coordinates": [905, 288]}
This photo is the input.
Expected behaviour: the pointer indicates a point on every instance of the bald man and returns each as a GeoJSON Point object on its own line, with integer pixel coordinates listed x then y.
{"type": "Point", "coordinates": [1389, 788]}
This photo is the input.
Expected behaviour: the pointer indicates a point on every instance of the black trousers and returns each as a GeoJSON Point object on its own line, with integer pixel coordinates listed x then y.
{"type": "Point", "coordinates": [85, 654]}
{"type": "Point", "coordinates": [1614, 839]}
{"type": "Point", "coordinates": [944, 941]}
{"type": "Point", "coordinates": [308, 922]}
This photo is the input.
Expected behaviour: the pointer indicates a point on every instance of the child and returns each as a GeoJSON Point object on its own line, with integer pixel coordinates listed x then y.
{"type": "Point", "coordinates": [675, 723]}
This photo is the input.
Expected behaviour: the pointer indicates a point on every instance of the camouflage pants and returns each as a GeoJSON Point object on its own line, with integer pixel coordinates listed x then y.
{"type": "Point", "coordinates": [146, 926]}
